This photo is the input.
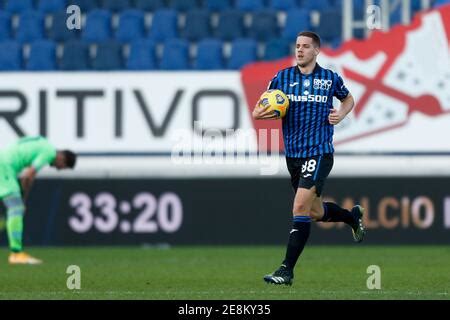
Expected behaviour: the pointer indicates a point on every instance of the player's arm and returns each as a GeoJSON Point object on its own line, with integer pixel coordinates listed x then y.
{"type": "Point", "coordinates": [26, 181]}
{"type": "Point", "coordinates": [347, 105]}
{"type": "Point", "coordinates": [261, 113]}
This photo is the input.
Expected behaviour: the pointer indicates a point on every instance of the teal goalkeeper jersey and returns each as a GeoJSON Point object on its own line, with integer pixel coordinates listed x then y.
{"type": "Point", "coordinates": [29, 151]}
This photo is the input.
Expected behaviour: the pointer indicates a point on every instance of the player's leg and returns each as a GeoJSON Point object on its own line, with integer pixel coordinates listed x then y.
{"type": "Point", "coordinates": [309, 189]}
{"type": "Point", "coordinates": [15, 211]}
{"type": "Point", "coordinates": [298, 236]}
{"type": "Point", "coordinates": [10, 194]}
{"type": "Point", "coordinates": [14, 221]}
{"type": "Point", "coordinates": [301, 226]}
{"type": "Point", "coordinates": [317, 209]}
{"type": "Point", "coordinates": [330, 211]}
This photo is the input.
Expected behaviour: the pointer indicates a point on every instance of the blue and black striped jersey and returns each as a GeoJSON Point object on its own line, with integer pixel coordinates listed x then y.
{"type": "Point", "coordinates": [306, 130]}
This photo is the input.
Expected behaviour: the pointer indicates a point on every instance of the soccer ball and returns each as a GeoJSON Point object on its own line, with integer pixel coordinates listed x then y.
{"type": "Point", "coordinates": [277, 101]}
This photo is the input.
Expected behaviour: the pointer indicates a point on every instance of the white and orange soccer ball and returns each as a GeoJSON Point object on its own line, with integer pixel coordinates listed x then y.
{"type": "Point", "coordinates": [276, 100]}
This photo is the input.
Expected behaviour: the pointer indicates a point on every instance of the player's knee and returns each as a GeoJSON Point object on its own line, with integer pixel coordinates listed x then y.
{"type": "Point", "coordinates": [301, 208]}
{"type": "Point", "coordinates": [14, 206]}
{"type": "Point", "coordinates": [16, 211]}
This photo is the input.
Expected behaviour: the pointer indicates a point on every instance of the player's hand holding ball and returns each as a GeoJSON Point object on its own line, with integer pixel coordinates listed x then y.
{"type": "Point", "coordinates": [272, 104]}
{"type": "Point", "coordinates": [263, 112]}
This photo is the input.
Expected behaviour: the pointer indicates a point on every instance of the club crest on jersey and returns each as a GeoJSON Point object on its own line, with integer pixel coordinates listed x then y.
{"type": "Point", "coordinates": [306, 83]}
{"type": "Point", "coordinates": [322, 84]}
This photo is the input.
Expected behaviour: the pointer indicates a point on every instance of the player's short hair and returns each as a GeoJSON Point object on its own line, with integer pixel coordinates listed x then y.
{"type": "Point", "coordinates": [314, 36]}
{"type": "Point", "coordinates": [70, 158]}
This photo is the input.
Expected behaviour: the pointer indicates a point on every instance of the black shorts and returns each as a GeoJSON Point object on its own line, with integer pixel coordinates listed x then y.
{"type": "Point", "coordinates": [309, 172]}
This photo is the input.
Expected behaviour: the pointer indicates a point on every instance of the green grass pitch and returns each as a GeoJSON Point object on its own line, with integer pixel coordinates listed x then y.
{"type": "Point", "coordinates": [229, 273]}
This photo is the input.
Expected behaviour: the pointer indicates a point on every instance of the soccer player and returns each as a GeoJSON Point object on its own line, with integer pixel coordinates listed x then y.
{"type": "Point", "coordinates": [25, 158]}
{"type": "Point", "coordinates": [308, 135]}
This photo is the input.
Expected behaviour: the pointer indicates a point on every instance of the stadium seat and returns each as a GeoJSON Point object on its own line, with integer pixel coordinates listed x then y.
{"type": "Point", "coordinates": [209, 55]}
{"type": "Point", "coordinates": [283, 5]}
{"type": "Point", "coordinates": [42, 56]}
{"type": "Point", "coordinates": [51, 6]}
{"type": "Point", "coordinates": [98, 26]}
{"type": "Point", "coordinates": [243, 51]}
{"type": "Point", "coordinates": [109, 56]}
{"type": "Point", "coordinates": [249, 5]}
{"type": "Point", "coordinates": [264, 25]}
{"type": "Point", "coordinates": [164, 25]}
{"type": "Point", "coordinates": [18, 6]}
{"type": "Point", "coordinates": [198, 25]}
{"type": "Point", "coordinates": [142, 55]}
{"type": "Point", "coordinates": [438, 3]}
{"type": "Point", "coordinates": [115, 5]}
{"type": "Point", "coordinates": [416, 5]}
{"type": "Point", "coordinates": [5, 25]}
{"type": "Point", "coordinates": [58, 30]}
{"type": "Point", "coordinates": [131, 25]}
{"type": "Point", "coordinates": [85, 5]}
{"type": "Point", "coordinates": [330, 26]}
{"type": "Point", "coordinates": [175, 55]}
{"type": "Point", "coordinates": [277, 48]}
{"type": "Point", "coordinates": [395, 17]}
{"type": "Point", "coordinates": [296, 21]}
{"type": "Point", "coordinates": [31, 26]}
{"type": "Point", "coordinates": [359, 9]}
{"type": "Point", "coordinates": [184, 5]}
{"type": "Point", "coordinates": [75, 56]}
{"type": "Point", "coordinates": [149, 5]}
{"type": "Point", "coordinates": [318, 5]}
{"type": "Point", "coordinates": [230, 25]}
{"type": "Point", "coordinates": [217, 5]}
{"type": "Point", "coordinates": [338, 3]}
{"type": "Point", "coordinates": [10, 56]}
{"type": "Point", "coordinates": [359, 34]}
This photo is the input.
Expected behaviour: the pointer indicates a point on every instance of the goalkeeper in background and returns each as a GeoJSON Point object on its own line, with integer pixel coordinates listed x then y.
{"type": "Point", "coordinates": [20, 163]}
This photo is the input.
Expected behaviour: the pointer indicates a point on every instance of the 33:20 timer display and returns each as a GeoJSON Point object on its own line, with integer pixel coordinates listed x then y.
{"type": "Point", "coordinates": [145, 213]}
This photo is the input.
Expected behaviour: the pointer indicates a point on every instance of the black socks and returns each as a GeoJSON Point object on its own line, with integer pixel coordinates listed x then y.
{"type": "Point", "coordinates": [334, 213]}
{"type": "Point", "coordinates": [297, 240]}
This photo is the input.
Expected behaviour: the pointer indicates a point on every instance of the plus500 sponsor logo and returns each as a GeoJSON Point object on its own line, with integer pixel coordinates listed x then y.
{"type": "Point", "coordinates": [308, 98]}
